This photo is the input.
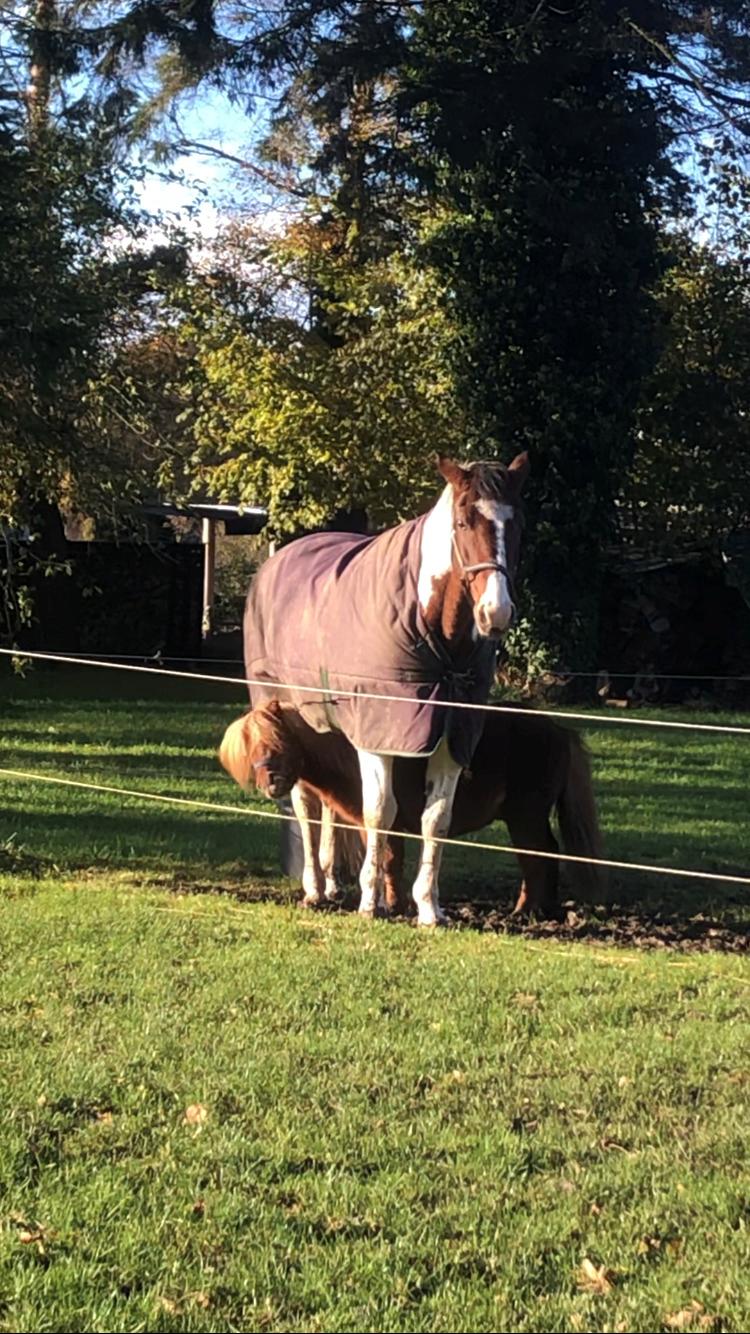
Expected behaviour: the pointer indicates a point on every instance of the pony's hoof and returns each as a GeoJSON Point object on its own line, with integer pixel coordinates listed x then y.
{"type": "Point", "coordinates": [335, 895]}
{"type": "Point", "coordinates": [538, 912]}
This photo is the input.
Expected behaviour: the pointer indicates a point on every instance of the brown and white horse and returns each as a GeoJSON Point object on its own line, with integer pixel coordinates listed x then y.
{"type": "Point", "coordinates": [523, 767]}
{"type": "Point", "coordinates": [418, 606]}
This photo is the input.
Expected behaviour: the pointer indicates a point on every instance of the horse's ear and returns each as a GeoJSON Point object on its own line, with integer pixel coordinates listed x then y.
{"type": "Point", "coordinates": [518, 471]}
{"type": "Point", "coordinates": [451, 471]}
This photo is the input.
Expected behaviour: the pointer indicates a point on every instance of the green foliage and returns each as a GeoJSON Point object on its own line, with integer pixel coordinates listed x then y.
{"type": "Point", "coordinates": [550, 159]}
{"type": "Point", "coordinates": [483, 191]}
{"type": "Point", "coordinates": [237, 559]}
{"type": "Point", "coordinates": [283, 415]}
{"type": "Point", "coordinates": [690, 480]}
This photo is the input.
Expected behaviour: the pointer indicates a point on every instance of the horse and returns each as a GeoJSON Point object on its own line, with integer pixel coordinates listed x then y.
{"type": "Point", "coordinates": [523, 767]}
{"type": "Point", "coordinates": [412, 614]}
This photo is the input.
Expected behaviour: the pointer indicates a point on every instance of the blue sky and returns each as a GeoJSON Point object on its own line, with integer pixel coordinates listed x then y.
{"type": "Point", "coordinates": [202, 182]}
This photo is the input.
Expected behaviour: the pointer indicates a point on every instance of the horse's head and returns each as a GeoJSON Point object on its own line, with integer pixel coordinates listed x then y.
{"type": "Point", "coordinates": [486, 536]}
{"type": "Point", "coordinates": [261, 748]}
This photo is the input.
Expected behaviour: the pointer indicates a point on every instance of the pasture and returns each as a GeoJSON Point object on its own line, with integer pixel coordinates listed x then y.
{"type": "Point", "coordinates": [224, 1113]}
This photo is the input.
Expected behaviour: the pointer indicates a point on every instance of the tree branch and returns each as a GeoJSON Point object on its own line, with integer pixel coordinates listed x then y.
{"type": "Point", "coordinates": [284, 186]}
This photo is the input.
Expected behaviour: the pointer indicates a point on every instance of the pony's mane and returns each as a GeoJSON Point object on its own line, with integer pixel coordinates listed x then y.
{"type": "Point", "coordinates": [269, 724]}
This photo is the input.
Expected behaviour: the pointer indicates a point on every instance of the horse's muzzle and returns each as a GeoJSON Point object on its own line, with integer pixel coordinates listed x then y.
{"type": "Point", "coordinates": [487, 622]}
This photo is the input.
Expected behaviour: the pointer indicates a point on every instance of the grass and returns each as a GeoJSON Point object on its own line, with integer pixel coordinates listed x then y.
{"type": "Point", "coordinates": [227, 1115]}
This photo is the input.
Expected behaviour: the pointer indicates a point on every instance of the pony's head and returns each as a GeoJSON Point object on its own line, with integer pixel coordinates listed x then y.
{"type": "Point", "coordinates": [260, 748]}
{"type": "Point", "coordinates": [486, 535]}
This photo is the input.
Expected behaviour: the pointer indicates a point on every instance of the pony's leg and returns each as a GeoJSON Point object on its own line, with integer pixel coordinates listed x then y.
{"type": "Point", "coordinates": [307, 809]}
{"type": "Point", "coordinates": [378, 813]}
{"type": "Point", "coordinates": [395, 899]}
{"type": "Point", "coordinates": [440, 788]}
{"type": "Point", "coordinates": [538, 893]}
{"type": "Point", "coordinates": [333, 890]}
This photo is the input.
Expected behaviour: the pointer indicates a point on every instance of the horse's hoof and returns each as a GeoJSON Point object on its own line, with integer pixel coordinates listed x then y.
{"type": "Point", "coordinates": [311, 902]}
{"type": "Point", "coordinates": [334, 895]}
{"type": "Point", "coordinates": [439, 919]}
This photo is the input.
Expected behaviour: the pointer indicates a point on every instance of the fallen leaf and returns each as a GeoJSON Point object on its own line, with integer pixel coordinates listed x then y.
{"type": "Point", "coordinates": [201, 1299]}
{"type": "Point", "coordinates": [195, 1114]}
{"type": "Point", "coordinates": [693, 1316]}
{"type": "Point", "coordinates": [595, 1278]}
{"type": "Point", "coordinates": [683, 1319]}
{"type": "Point", "coordinates": [526, 1000]}
{"type": "Point", "coordinates": [199, 1208]}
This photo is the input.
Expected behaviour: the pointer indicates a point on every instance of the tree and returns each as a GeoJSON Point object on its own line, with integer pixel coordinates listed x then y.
{"type": "Point", "coordinates": [552, 139]}
{"type": "Point", "coordinates": [690, 480]}
{"type": "Point", "coordinates": [281, 414]}
{"type": "Point", "coordinates": [551, 162]}
{"type": "Point", "coordinates": [67, 268]}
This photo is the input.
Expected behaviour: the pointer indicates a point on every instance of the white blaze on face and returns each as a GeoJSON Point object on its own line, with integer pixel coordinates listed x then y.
{"type": "Point", "coordinates": [436, 554]}
{"type": "Point", "coordinates": [494, 610]}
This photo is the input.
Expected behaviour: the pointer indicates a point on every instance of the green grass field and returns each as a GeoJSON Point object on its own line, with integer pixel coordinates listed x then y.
{"type": "Point", "coordinates": [223, 1113]}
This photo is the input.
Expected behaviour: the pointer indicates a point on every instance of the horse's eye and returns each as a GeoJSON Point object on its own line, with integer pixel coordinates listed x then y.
{"type": "Point", "coordinates": [461, 523]}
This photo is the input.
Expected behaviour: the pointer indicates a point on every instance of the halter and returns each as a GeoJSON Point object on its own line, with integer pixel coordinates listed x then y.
{"type": "Point", "coordinates": [482, 565]}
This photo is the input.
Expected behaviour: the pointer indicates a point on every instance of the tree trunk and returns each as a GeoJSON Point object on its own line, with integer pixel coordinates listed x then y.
{"type": "Point", "coordinates": [40, 68]}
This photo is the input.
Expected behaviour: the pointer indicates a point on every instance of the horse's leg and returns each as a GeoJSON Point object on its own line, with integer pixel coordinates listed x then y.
{"type": "Point", "coordinates": [333, 890]}
{"type": "Point", "coordinates": [538, 893]}
{"type": "Point", "coordinates": [307, 809]}
{"type": "Point", "coordinates": [440, 788]}
{"type": "Point", "coordinates": [378, 813]}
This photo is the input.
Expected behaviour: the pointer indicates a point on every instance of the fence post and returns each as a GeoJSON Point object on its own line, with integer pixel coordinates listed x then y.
{"type": "Point", "coordinates": [209, 573]}
{"type": "Point", "coordinates": [290, 841]}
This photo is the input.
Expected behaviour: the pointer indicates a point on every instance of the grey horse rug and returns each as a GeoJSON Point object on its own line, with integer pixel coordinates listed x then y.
{"type": "Point", "coordinates": [340, 612]}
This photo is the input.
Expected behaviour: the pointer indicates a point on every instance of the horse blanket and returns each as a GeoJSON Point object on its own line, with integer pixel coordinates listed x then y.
{"type": "Point", "coordinates": [340, 612]}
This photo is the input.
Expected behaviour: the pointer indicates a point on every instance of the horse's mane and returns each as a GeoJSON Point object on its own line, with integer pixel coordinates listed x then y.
{"type": "Point", "coordinates": [490, 480]}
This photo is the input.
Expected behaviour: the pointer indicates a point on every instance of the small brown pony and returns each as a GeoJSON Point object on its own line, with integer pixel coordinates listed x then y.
{"type": "Point", "coordinates": [523, 767]}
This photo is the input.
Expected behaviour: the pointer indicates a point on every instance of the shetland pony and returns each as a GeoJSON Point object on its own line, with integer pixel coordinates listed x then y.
{"type": "Point", "coordinates": [523, 767]}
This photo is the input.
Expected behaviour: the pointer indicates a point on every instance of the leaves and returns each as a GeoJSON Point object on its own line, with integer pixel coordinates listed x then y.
{"type": "Point", "coordinates": [309, 424]}
{"type": "Point", "coordinates": [196, 1115]}
{"type": "Point", "coordinates": [595, 1279]}
{"type": "Point", "coordinates": [692, 1317]}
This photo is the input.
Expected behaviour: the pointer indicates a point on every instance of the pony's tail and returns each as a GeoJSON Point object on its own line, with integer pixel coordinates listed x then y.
{"type": "Point", "coordinates": [579, 822]}
{"type": "Point", "coordinates": [234, 752]}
